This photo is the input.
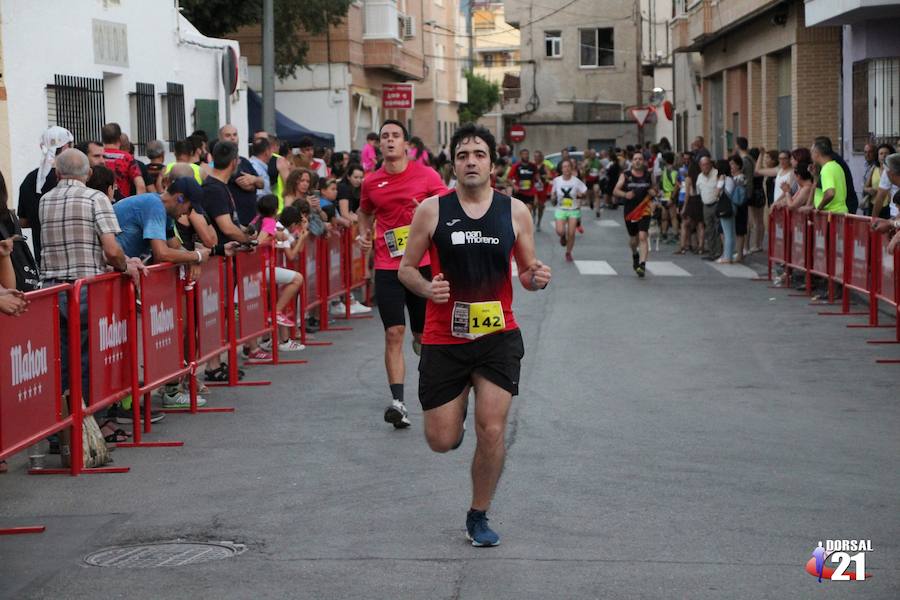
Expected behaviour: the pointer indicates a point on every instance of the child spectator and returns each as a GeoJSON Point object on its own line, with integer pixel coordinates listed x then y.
{"type": "Point", "coordinates": [289, 280]}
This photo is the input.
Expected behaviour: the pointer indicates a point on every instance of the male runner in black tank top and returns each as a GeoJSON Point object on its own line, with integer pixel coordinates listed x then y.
{"type": "Point", "coordinates": [635, 186]}
{"type": "Point", "coordinates": [471, 339]}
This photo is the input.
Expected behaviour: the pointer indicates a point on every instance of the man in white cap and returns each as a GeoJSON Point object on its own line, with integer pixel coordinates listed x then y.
{"type": "Point", "coordinates": [40, 181]}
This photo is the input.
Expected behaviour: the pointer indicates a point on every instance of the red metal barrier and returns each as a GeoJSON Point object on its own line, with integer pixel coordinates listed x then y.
{"type": "Point", "coordinates": [162, 343]}
{"type": "Point", "coordinates": [778, 236]}
{"type": "Point", "coordinates": [206, 334]}
{"type": "Point", "coordinates": [310, 298]}
{"type": "Point", "coordinates": [30, 383]}
{"type": "Point", "coordinates": [246, 279]}
{"type": "Point", "coordinates": [858, 262]}
{"type": "Point", "coordinates": [798, 255]}
{"type": "Point", "coordinates": [885, 282]}
{"type": "Point", "coordinates": [821, 252]}
{"type": "Point", "coordinates": [332, 276]}
{"type": "Point", "coordinates": [355, 272]}
{"type": "Point", "coordinates": [112, 340]}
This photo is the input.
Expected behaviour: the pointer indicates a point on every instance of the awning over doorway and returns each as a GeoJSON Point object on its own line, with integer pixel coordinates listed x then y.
{"type": "Point", "coordinates": [286, 128]}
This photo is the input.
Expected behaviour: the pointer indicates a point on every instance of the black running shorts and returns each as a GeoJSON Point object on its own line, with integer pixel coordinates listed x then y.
{"type": "Point", "coordinates": [392, 297]}
{"type": "Point", "coordinates": [634, 228]}
{"type": "Point", "coordinates": [526, 199]}
{"type": "Point", "coordinates": [446, 369]}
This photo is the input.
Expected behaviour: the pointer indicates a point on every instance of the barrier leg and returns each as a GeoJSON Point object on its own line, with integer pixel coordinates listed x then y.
{"type": "Point", "coordinates": [323, 319]}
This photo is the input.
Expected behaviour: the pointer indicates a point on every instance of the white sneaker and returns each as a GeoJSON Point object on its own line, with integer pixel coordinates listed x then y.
{"type": "Point", "coordinates": [290, 346]}
{"type": "Point", "coordinates": [338, 309]}
{"type": "Point", "coordinates": [357, 308]}
{"type": "Point", "coordinates": [266, 345]}
{"type": "Point", "coordinates": [397, 415]}
{"type": "Point", "coordinates": [180, 400]}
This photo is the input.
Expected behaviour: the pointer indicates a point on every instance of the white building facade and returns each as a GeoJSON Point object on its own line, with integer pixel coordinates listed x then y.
{"type": "Point", "coordinates": [83, 63]}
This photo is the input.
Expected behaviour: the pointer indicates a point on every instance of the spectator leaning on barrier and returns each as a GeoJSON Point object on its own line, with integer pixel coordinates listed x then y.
{"type": "Point", "coordinates": [831, 186]}
{"type": "Point", "coordinates": [892, 172]}
{"type": "Point", "coordinates": [244, 181]}
{"type": "Point", "coordinates": [220, 209]}
{"type": "Point", "coordinates": [289, 280]}
{"type": "Point", "coordinates": [147, 223]}
{"type": "Point", "coordinates": [40, 181]}
{"type": "Point", "coordinates": [191, 229]}
{"type": "Point", "coordinates": [80, 228]}
{"type": "Point", "coordinates": [129, 180]}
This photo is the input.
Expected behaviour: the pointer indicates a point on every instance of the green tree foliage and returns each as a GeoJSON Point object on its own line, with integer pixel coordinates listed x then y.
{"type": "Point", "coordinates": [483, 96]}
{"type": "Point", "coordinates": [294, 22]}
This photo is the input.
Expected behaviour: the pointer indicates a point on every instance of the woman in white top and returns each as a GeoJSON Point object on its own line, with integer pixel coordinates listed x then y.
{"type": "Point", "coordinates": [782, 172]}
{"type": "Point", "coordinates": [566, 192]}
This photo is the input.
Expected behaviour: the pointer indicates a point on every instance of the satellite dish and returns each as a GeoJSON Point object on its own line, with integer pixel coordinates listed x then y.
{"type": "Point", "coordinates": [657, 96]}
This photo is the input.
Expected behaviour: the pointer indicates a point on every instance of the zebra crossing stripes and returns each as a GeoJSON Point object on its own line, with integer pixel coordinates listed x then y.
{"type": "Point", "coordinates": [664, 268]}
{"type": "Point", "coordinates": [735, 270]}
{"type": "Point", "coordinates": [594, 267]}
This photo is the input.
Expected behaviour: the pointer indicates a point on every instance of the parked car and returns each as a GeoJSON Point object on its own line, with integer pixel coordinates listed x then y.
{"type": "Point", "coordinates": [578, 155]}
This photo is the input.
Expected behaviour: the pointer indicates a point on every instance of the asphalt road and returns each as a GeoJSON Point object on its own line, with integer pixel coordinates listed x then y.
{"type": "Point", "coordinates": [690, 435]}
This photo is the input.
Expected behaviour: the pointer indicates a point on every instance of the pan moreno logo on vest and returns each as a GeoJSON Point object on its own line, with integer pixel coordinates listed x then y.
{"type": "Point", "coordinates": [458, 238]}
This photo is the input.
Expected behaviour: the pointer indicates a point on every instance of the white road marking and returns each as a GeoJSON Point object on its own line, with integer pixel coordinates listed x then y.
{"type": "Point", "coordinates": [594, 267]}
{"type": "Point", "coordinates": [608, 223]}
{"type": "Point", "coordinates": [666, 269]}
{"type": "Point", "coordinates": [735, 270]}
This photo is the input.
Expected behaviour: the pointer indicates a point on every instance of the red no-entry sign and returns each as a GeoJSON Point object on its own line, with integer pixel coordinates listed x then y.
{"type": "Point", "coordinates": [517, 133]}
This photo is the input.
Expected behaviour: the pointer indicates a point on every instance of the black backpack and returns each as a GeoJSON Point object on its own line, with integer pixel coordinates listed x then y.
{"type": "Point", "coordinates": [28, 276]}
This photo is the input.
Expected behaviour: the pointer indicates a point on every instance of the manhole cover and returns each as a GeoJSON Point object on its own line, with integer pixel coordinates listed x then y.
{"type": "Point", "coordinates": [163, 554]}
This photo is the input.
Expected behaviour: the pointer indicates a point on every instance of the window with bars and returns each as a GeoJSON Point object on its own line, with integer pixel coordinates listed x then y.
{"type": "Point", "coordinates": [876, 101]}
{"type": "Point", "coordinates": [174, 122]}
{"type": "Point", "coordinates": [77, 103]}
{"type": "Point", "coordinates": [143, 115]}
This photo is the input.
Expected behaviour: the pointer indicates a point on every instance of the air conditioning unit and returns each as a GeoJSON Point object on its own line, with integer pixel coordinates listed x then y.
{"type": "Point", "coordinates": [407, 26]}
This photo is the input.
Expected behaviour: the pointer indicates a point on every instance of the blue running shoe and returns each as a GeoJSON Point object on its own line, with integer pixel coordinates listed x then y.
{"type": "Point", "coordinates": [478, 532]}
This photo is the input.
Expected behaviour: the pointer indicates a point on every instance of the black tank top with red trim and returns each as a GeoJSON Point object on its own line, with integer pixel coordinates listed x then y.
{"type": "Point", "coordinates": [474, 256]}
{"type": "Point", "coordinates": [639, 206]}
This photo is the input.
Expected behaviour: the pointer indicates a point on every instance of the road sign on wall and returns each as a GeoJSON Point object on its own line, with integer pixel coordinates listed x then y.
{"type": "Point", "coordinates": [517, 133]}
{"type": "Point", "coordinates": [397, 95]}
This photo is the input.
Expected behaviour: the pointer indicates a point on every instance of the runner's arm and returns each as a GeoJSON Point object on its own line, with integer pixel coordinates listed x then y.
{"type": "Point", "coordinates": [618, 193]}
{"type": "Point", "coordinates": [420, 232]}
{"type": "Point", "coordinates": [533, 274]}
{"type": "Point", "coordinates": [365, 222]}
